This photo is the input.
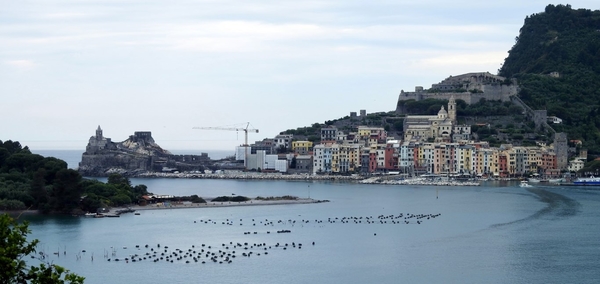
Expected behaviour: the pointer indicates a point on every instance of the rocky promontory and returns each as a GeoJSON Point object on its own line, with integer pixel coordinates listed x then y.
{"type": "Point", "coordinates": [139, 153]}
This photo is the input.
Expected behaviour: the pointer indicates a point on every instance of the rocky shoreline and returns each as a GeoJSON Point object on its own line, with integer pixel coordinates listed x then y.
{"type": "Point", "coordinates": [421, 181]}
{"type": "Point", "coordinates": [386, 180]}
{"type": "Point", "coordinates": [249, 176]}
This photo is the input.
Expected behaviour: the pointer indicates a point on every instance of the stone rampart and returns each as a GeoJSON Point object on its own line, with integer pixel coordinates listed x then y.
{"type": "Point", "coordinates": [471, 88]}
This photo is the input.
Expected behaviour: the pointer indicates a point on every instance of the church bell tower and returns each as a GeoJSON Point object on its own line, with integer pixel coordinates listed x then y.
{"type": "Point", "coordinates": [99, 133]}
{"type": "Point", "coordinates": [452, 110]}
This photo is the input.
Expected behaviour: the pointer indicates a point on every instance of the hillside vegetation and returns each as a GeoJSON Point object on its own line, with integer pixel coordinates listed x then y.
{"type": "Point", "coordinates": [30, 181]}
{"type": "Point", "coordinates": [513, 128]}
{"type": "Point", "coordinates": [566, 41]}
{"type": "Point", "coordinates": [560, 39]}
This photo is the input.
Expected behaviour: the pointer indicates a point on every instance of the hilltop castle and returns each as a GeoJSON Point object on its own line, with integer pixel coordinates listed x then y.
{"type": "Point", "coordinates": [470, 87]}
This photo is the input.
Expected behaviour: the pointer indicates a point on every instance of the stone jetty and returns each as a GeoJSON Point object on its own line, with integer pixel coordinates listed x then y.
{"type": "Point", "coordinates": [249, 175]}
{"type": "Point", "coordinates": [385, 180]}
{"type": "Point", "coordinates": [419, 181]}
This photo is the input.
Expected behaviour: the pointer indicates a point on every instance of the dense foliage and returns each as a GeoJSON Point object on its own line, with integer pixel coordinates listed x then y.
{"type": "Point", "coordinates": [482, 108]}
{"type": "Point", "coordinates": [238, 198]}
{"type": "Point", "coordinates": [14, 246]}
{"type": "Point", "coordinates": [390, 121]}
{"type": "Point", "coordinates": [272, 198]}
{"type": "Point", "coordinates": [45, 183]}
{"type": "Point", "coordinates": [197, 199]}
{"type": "Point", "coordinates": [117, 191]}
{"type": "Point", "coordinates": [566, 41]}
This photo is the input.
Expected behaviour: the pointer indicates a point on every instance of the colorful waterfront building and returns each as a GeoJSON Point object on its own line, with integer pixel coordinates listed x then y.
{"type": "Point", "coordinates": [302, 147]}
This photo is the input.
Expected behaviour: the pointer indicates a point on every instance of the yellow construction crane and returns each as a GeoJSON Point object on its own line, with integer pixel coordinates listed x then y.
{"type": "Point", "coordinates": [246, 130]}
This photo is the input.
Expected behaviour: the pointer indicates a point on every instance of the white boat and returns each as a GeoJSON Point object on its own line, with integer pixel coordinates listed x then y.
{"type": "Point", "coordinates": [587, 181]}
{"type": "Point", "coordinates": [556, 180]}
{"type": "Point", "coordinates": [533, 180]}
{"type": "Point", "coordinates": [90, 215]}
{"type": "Point", "coordinates": [525, 184]}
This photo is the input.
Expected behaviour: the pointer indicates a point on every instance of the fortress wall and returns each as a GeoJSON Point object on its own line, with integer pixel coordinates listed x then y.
{"type": "Point", "coordinates": [490, 92]}
{"type": "Point", "coordinates": [500, 92]}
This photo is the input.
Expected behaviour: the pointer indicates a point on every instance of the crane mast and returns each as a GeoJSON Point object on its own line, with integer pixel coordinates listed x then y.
{"type": "Point", "coordinates": [245, 129]}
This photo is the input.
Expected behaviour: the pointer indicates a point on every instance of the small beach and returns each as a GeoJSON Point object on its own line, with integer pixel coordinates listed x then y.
{"type": "Point", "coordinates": [210, 204]}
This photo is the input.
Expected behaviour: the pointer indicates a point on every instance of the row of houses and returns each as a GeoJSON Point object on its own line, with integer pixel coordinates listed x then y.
{"type": "Point", "coordinates": [370, 151]}
{"type": "Point", "coordinates": [467, 158]}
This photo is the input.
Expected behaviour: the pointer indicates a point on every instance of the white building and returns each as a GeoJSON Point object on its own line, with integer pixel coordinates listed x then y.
{"type": "Point", "coordinates": [576, 165]}
{"type": "Point", "coordinates": [406, 159]}
{"type": "Point", "coordinates": [281, 166]}
{"type": "Point", "coordinates": [256, 161]}
{"type": "Point", "coordinates": [284, 141]}
{"type": "Point", "coordinates": [322, 158]}
{"type": "Point", "coordinates": [241, 151]}
{"type": "Point", "coordinates": [270, 162]}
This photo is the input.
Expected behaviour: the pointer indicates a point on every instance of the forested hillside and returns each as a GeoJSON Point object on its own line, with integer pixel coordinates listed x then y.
{"type": "Point", "coordinates": [30, 181]}
{"type": "Point", "coordinates": [566, 41]}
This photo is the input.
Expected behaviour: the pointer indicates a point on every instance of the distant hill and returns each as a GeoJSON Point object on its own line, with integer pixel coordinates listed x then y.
{"type": "Point", "coordinates": [556, 60]}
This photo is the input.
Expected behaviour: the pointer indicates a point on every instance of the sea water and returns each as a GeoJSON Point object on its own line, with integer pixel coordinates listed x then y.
{"type": "Point", "coordinates": [494, 233]}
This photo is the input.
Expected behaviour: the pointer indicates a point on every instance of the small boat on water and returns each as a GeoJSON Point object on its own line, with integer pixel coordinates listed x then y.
{"type": "Point", "coordinates": [90, 215]}
{"type": "Point", "coordinates": [556, 180]}
{"type": "Point", "coordinates": [534, 180]}
{"type": "Point", "coordinates": [587, 181]}
{"type": "Point", "coordinates": [525, 184]}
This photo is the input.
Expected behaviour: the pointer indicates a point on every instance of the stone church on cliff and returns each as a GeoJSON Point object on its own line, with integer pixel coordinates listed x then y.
{"type": "Point", "coordinates": [436, 128]}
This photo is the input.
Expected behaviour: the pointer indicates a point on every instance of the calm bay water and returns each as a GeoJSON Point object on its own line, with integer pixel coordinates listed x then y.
{"type": "Point", "coordinates": [494, 233]}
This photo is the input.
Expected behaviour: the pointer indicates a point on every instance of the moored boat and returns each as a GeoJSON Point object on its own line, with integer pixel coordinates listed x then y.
{"type": "Point", "coordinates": [587, 181]}
{"type": "Point", "coordinates": [556, 180]}
{"type": "Point", "coordinates": [525, 184]}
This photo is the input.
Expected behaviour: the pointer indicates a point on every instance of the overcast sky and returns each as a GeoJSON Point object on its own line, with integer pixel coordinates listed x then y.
{"type": "Point", "coordinates": [68, 66]}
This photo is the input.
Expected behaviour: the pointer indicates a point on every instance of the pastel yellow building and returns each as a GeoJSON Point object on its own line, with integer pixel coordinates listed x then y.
{"type": "Point", "coordinates": [302, 146]}
{"type": "Point", "coordinates": [335, 158]}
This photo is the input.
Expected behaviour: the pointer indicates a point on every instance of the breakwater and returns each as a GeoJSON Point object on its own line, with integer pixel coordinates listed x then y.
{"type": "Point", "coordinates": [387, 180]}
{"type": "Point", "coordinates": [419, 181]}
{"type": "Point", "coordinates": [249, 176]}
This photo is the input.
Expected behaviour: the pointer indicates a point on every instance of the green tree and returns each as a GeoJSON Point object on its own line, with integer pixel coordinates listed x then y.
{"type": "Point", "coordinates": [67, 191]}
{"type": "Point", "coordinates": [14, 246]}
{"type": "Point", "coordinates": [4, 154]}
{"type": "Point", "coordinates": [91, 203]}
{"type": "Point", "coordinates": [196, 199]}
{"type": "Point", "coordinates": [119, 181]}
{"type": "Point", "coordinates": [399, 125]}
{"type": "Point", "coordinates": [38, 189]}
{"type": "Point", "coordinates": [120, 199]}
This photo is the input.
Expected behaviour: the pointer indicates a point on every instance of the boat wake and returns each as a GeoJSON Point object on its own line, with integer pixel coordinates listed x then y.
{"type": "Point", "coordinates": [557, 206]}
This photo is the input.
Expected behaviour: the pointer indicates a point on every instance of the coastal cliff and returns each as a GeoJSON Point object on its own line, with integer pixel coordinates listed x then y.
{"type": "Point", "coordinates": [138, 154]}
